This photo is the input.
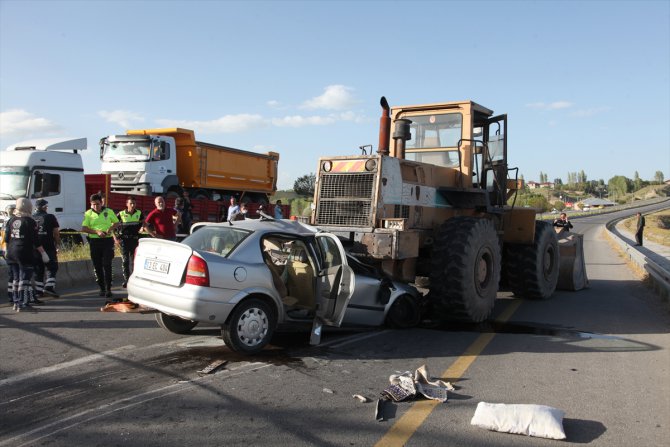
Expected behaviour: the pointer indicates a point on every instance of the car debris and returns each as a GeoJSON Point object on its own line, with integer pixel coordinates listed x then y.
{"type": "Point", "coordinates": [407, 385]}
{"type": "Point", "coordinates": [212, 367]}
{"type": "Point", "coordinates": [361, 398]}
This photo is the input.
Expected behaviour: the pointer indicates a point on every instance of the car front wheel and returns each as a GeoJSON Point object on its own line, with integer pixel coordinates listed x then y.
{"type": "Point", "coordinates": [250, 326]}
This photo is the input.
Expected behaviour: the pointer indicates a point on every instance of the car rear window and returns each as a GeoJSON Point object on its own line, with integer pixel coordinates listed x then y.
{"type": "Point", "coordinates": [219, 240]}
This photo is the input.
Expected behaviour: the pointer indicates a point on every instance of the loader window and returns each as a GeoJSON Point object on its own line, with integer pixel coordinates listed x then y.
{"type": "Point", "coordinates": [435, 130]}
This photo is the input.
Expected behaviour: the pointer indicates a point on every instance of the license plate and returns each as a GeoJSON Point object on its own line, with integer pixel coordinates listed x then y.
{"type": "Point", "coordinates": [155, 265]}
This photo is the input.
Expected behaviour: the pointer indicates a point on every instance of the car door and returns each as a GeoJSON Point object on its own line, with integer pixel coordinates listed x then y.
{"type": "Point", "coordinates": [335, 280]}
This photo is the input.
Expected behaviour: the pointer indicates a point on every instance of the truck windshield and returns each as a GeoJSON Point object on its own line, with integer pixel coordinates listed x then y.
{"type": "Point", "coordinates": [13, 181]}
{"type": "Point", "coordinates": [126, 150]}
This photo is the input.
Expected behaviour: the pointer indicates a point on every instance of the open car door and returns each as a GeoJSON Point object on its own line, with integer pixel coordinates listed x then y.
{"type": "Point", "coordinates": [335, 285]}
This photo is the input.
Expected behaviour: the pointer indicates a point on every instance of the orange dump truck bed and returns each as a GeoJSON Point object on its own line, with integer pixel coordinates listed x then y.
{"type": "Point", "coordinates": [210, 166]}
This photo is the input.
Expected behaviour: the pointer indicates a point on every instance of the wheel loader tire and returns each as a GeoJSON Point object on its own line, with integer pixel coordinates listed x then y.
{"type": "Point", "coordinates": [532, 270]}
{"type": "Point", "coordinates": [465, 269]}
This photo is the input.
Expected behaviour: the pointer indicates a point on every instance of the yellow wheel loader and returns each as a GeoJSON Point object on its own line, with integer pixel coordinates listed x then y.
{"type": "Point", "coordinates": [431, 208]}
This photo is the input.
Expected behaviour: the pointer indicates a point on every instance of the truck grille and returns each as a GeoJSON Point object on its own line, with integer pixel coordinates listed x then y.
{"type": "Point", "coordinates": [346, 199]}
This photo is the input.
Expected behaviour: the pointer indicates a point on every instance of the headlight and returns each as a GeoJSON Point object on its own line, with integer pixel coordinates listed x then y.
{"type": "Point", "coordinates": [371, 165]}
{"type": "Point", "coordinates": [327, 166]}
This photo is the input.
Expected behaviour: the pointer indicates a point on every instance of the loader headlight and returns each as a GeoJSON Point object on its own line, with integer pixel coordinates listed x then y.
{"type": "Point", "coordinates": [327, 166]}
{"type": "Point", "coordinates": [371, 165]}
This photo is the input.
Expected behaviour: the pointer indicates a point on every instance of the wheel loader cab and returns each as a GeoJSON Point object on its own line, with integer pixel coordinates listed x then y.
{"type": "Point", "coordinates": [458, 135]}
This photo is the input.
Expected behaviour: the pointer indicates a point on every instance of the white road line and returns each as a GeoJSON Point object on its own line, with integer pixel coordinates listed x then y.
{"type": "Point", "coordinates": [352, 339]}
{"type": "Point", "coordinates": [121, 404]}
{"type": "Point", "coordinates": [70, 364]}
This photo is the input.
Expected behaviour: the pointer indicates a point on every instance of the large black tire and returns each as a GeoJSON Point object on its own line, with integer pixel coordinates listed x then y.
{"type": "Point", "coordinates": [465, 269]}
{"type": "Point", "coordinates": [250, 327]}
{"type": "Point", "coordinates": [532, 270]}
{"type": "Point", "coordinates": [174, 192]}
{"type": "Point", "coordinates": [175, 325]}
{"type": "Point", "coordinates": [404, 313]}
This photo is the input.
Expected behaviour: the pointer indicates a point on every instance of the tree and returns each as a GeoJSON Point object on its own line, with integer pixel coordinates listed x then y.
{"type": "Point", "coordinates": [659, 177]}
{"type": "Point", "coordinates": [637, 183]}
{"type": "Point", "coordinates": [619, 185]}
{"type": "Point", "coordinates": [304, 185]}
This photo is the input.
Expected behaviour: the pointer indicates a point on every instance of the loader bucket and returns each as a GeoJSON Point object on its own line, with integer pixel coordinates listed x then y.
{"type": "Point", "coordinates": [572, 269]}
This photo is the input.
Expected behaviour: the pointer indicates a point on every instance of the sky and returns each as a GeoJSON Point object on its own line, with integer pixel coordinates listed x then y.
{"type": "Point", "coordinates": [585, 84]}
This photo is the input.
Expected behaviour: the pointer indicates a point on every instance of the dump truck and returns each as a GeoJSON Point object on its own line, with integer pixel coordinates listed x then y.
{"type": "Point", "coordinates": [432, 209]}
{"type": "Point", "coordinates": [170, 161]}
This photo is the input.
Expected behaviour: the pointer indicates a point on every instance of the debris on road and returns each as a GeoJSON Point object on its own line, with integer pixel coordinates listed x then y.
{"type": "Point", "coordinates": [123, 306]}
{"type": "Point", "coordinates": [212, 367]}
{"type": "Point", "coordinates": [361, 398]}
{"type": "Point", "coordinates": [328, 390]}
{"type": "Point", "coordinates": [407, 385]}
{"type": "Point", "coordinates": [531, 420]}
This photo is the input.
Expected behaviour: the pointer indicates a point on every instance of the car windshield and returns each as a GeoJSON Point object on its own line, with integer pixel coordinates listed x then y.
{"type": "Point", "coordinates": [220, 240]}
{"type": "Point", "coordinates": [13, 182]}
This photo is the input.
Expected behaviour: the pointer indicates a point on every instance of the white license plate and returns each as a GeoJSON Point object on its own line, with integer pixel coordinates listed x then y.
{"type": "Point", "coordinates": [155, 265]}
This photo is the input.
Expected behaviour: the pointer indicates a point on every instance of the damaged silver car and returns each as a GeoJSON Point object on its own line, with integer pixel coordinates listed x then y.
{"type": "Point", "coordinates": [253, 277]}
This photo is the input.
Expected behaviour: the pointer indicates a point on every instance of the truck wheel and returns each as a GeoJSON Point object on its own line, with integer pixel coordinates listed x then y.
{"type": "Point", "coordinates": [404, 312]}
{"type": "Point", "coordinates": [250, 327]}
{"type": "Point", "coordinates": [465, 269]}
{"type": "Point", "coordinates": [532, 270]}
{"type": "Point", "coordinates": [175, 325]}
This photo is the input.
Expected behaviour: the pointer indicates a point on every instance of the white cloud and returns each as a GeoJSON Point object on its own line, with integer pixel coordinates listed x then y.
{"type": "Point", "coordinates": [273, 103]}
{"type": "Point", "coordinates": [590, 112]}
{"type": "Point", "coordinates": [335, 97]}
{"type": "Point", "coordinates": [17, 123]}
{"type": "Point", "coordinates": [226, 124]}
{"type": "Point", "coordinates": [556, 105]}
{"type": "Point", "coordinates": [123, 118]}
{"type": "Point", "coordinates": [300, 121]}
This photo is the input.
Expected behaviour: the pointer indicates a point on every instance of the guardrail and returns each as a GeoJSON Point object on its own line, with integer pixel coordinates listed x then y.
{"type": "Point", "coordinates": [659, 276]}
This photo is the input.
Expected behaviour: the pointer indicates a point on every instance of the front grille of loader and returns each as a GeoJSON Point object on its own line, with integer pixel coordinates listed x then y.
{"type": "Point", "coordinates": [346, 200]}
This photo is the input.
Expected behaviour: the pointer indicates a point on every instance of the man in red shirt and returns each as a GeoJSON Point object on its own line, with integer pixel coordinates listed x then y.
{"type": "Point", "coordinates": [162, 222]}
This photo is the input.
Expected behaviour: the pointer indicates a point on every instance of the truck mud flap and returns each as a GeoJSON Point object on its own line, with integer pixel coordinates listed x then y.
{"type": "Point", "coordinates": [572, 269]}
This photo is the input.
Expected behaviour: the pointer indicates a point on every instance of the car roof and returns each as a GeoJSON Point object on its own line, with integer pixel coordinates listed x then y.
{"type": "Point", "coordinates": [265, 226]}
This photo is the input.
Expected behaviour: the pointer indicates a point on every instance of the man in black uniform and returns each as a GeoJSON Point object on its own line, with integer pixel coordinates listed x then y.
{"type": "Point", "coordinates": [127, 235]}
{"type": "Point", "coordinates": [48, 233]}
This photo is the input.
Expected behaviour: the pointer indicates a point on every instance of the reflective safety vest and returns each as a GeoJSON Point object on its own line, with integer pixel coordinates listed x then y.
{"type": "Point", "coordinates": [130, 223]}
{"type": "Point", "coordinates": [102, 221]}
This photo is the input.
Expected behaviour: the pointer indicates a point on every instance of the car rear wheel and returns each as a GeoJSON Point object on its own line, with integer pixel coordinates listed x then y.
{"type": "Point", "coordinates": [250, 326]}
{"type": "Point", "coordinates": [175, 325]}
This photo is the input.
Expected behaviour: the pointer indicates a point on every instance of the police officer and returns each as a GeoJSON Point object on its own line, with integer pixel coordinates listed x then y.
{"type": "Point", "coordinates": [127, 235]}
{"type": "Point", "coordinates": [99, 223]}
{"type": "Point", "coordinates": [48, 232]}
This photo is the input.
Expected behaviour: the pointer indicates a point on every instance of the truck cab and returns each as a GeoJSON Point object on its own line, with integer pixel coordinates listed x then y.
{"type": "Point", "coordinates": [44, 169]}
{"type": "Point", "coordinates": [140, 164]}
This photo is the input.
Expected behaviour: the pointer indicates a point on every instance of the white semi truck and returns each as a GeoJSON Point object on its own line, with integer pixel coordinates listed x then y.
{"type": "Point", "coordinates": [50, 169]}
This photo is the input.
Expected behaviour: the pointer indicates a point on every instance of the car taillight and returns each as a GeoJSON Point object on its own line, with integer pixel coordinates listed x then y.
{"type": "Point", "coordinates": [197, 272]}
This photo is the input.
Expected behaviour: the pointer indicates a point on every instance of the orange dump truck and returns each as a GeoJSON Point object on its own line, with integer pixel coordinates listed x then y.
{"type": "Point", "coordinates": [170, 161]}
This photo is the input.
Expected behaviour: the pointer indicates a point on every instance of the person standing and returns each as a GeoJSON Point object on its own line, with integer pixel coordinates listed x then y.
{"type": "Point", "coordinates": [278, 211]}
{"type": "Point", "coordinates": [162, 222]}
{"type": "Point", "coordinates": [48, 232]}
{"type": "Point", "coordinates": [187, 215]}
{"type": "Point", "coordinates": [563, 223]}
{"type": "Point", "coordinates": [233, 209]}
{"type": "Point", "coordinates": [22, 242]}
{"type": "Point", "coordinates": [99, 223]}
{"type": "Point", "coordinates": [10, 209]}
{"type": "Point", "coordinates": [640, 229]}
{"type": "Point", "coordinates": [127, 235]}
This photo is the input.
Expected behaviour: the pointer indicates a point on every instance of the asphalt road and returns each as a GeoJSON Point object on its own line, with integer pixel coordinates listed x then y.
{"type": "Point", "coordinates": [73, 376]}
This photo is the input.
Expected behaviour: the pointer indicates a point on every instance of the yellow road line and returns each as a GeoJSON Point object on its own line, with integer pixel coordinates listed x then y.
{"type": "Point", "coordinates": [404, 428]}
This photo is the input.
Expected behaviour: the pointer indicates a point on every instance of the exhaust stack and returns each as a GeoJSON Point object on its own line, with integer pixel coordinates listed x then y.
{"type": "Point", "coordinates": [384, 128]}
